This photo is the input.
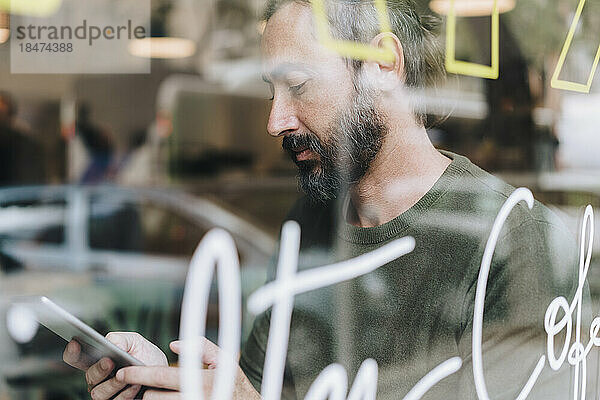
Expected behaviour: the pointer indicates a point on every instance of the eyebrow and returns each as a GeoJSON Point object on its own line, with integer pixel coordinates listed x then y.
{"type": "Point", "coordinates": [280, 71]}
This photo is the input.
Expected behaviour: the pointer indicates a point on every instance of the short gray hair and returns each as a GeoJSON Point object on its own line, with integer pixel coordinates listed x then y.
{"type": "Point", "coordinates": [357, 20]}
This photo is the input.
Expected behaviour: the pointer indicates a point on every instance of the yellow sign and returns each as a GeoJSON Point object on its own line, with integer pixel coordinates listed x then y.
{"type": "Point", "coordinates": [566, 85]}
{"type": "Point", "coordinates": [469, 68]}
{"type": "Point", "coordinates": [349, 49]}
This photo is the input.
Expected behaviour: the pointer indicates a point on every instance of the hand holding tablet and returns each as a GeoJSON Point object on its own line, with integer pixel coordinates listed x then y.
{"type": "Point", "coordinates": [100, 376]}
{"type": "Point", "coordinates": [99, 356]}
{"type": "Point", "coordinates": [124, 365]}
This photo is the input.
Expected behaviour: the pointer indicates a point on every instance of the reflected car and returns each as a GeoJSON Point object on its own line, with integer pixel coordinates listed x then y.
{"type": "Point", "coordinates": [115, 257]}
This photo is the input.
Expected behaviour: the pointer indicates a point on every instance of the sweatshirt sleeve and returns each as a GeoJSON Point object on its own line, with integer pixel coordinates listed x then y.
{"type": "Point", "coordinates": [252, 358]}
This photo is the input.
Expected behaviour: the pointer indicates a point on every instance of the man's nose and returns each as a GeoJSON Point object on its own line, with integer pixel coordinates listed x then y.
{"type": "Point", "coordinates": [282, 118]}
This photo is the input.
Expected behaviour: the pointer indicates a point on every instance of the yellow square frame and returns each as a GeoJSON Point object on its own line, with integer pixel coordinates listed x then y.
{"type": "Point", "coordinates": [566, 85]}
{"type": "Point", "coordinates": [469, 68]}
{"type": "Point", "coordinates": [349, 49]}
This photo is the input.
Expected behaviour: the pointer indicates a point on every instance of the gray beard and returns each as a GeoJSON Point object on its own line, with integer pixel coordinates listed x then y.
{"type": "Point", "coordinates": [347, 156]}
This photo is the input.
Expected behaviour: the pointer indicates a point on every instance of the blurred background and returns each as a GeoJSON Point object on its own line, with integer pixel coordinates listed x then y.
{"type": "Point", "coordinates": [109, 181]}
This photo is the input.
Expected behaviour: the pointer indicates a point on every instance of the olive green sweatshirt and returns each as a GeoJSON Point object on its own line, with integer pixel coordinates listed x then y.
{"type": "Point", "coordinates": [413, 313]}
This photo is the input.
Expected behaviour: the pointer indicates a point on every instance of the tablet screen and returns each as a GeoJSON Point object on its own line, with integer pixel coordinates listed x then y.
{"type": "Point", "coordinates": [94, 346]}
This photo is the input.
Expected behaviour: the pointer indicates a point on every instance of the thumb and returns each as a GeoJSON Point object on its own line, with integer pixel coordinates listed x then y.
{"type": "Point", "coordinates": [118, 340]}
{"type": "Point", "coordinates": [126, 341]}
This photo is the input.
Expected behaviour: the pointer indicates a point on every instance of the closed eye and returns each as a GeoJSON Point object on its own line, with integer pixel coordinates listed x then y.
{"type": "Point", "coordinates": [297, 89]}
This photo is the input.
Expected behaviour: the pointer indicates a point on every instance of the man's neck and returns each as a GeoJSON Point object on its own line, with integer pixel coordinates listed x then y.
{"type": "Point", "coordinates": [405, 169]}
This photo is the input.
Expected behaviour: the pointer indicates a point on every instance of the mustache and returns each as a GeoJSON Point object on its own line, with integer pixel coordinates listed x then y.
{"type": "Point", "coordinates": [300, 140]}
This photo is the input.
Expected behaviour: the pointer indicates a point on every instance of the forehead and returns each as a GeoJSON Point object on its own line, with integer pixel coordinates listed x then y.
{"type": "Point", "coordinates": [290, 39]}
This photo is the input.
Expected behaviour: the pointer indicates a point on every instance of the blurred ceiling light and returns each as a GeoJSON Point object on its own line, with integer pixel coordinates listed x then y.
{"type": "Point", "coordinates": [4, 27]}
{"type": "Point", "coordinates": [162, 47]}
{"type": "Point", "coordinates": [471, 8]}
{"type": "Point", "coordinates": [35, 8]}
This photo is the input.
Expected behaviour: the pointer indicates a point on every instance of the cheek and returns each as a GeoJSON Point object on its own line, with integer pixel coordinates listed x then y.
{"type": "Point", "coordinates": [317, 117]}
{"type": "Point", "coordinates": [320, 109]}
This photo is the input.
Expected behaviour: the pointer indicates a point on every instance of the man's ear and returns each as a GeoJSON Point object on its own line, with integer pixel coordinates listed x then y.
{"type": "Point", "coordinates": [386, 74]}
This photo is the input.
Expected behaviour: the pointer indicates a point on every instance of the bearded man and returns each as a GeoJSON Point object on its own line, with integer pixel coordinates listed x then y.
{"type": "Point", "coordinates": [371, 175]}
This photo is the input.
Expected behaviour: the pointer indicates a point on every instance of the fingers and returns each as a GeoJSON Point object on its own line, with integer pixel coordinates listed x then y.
{"type": "Point", "coordinates": [75, 357]}
{"type": "Point", "coordinates": [175, 346]}
{"type": "Point", "coordinates": [129, 393]}
{"type": "Point", "coordinates": [163, 378]}
{"type": "Point", "coordinates": [210, 351]}
{"type": "Point", "coordinates": [158, 377]}
{"type": "Point", "coordinates": [99, 371]}
{"type": "Point", "coordinates": [107, 390]}
{"type": "Point", "coordinates": [161, 395]}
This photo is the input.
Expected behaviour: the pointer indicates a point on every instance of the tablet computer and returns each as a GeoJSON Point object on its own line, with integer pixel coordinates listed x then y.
{"type": "Point", "coordinates": [67, 326]}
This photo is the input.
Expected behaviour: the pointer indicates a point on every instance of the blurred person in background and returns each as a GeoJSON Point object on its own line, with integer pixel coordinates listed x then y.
{"type": "Point", "coordinates": [21, 156]}
{"type": "Point", "coordinates": [371, 175]}
{"type": "Point", "coordinates": [136, 166]}
{"type": "Point", "coordinates": [98, 143]}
